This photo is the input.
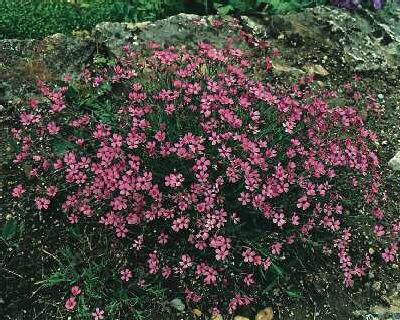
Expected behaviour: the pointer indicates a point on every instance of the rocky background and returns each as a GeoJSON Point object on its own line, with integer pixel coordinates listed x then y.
{"type": "Point", "coordinates": [329, 43]}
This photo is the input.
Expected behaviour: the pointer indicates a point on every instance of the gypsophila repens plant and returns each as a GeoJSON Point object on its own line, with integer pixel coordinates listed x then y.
{"type": "Point", "coordinates": [209, 174]}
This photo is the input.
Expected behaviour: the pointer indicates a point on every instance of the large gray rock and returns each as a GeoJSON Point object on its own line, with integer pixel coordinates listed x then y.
{"type": "Point", "coordinates": [182, 29]}
{"type": "Point", "coordinates": [335, 38]}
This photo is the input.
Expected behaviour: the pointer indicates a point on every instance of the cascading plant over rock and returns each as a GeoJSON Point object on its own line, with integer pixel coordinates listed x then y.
{"type": "Point", "coordinates": [210, 175]}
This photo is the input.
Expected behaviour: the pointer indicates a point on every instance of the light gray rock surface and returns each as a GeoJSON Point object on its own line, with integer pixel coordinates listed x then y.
{"type": "Point", "coordinates": [394, 163]}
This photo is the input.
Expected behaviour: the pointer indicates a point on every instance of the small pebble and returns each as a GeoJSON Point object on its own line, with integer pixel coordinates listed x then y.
{"type": "Point", "coordinates": [177, 304]}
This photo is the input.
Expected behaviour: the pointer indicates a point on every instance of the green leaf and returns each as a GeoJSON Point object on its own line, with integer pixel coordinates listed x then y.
{"type": "Point", "coordinates": [15, 147]}
{"type": "Point", "coordinates": [56, 278]}
{"type": "Point", "coordinates": [60, 146]}
{"type": "Point", "coordinates": [223, 10]}
{"type": "Point", "coordinates": [262, 273]}
{"type": "Point", "coordinates": [293, 294]}
{"type": "Point", "coordinates": [278, 270]}
{"type": "Point", "coordinates": [75, 232]}
{"type": "Point", "coordinates": [241, 6]}
{"type": "Point", "coordinates": [269, 287]}
{"type": "Point", "coordinates": [9, 229]}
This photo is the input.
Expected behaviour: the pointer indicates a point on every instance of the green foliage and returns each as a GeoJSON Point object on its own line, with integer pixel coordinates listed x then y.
{"type": "Point", "coordinates": [9, 229]}
{"type": "Point", "coordinates": [279, 6]}
{"type": "Point", "coordinates": [37, 18]}
{"type": "Point", "coordinates": [99, 283]}
{"type": "Point", "coordinates": [264, 6]}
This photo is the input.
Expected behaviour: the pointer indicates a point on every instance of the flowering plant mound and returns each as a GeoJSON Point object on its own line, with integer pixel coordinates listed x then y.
{"type": "Point", "coordinates": [208, 174]}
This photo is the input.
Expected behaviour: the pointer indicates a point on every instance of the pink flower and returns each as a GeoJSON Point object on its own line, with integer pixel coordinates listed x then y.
{"type": "Point", "coordinates": [73, 219]}
{"type": "Point", "coordinates": [166, 272]}
{"type": "Point", "coordinates": [153, 262]}
{"type": "Point", "coordinates": [244, 198]}
{"type": "Point", "coordinates": [248, 255]}
{"type": "Point", "coordinates": [98, 314]}
{"type": "Point", "coordinates": [192, 296]}
{"type": "Point", "coordinates": [248, 279]}
{"type": "Point", "coordinates": [27, 119]}
{"type": "Point", "coordinates": [221, 254]}
{"type": "Point", "coordinates": [75, 290]}
{"type": "Point", "coordinates": [133, 218]}
{"type": "Point", "coordinates": [70, 304]}
{"type": "Point", "coordinates": [379, 230]}
{"type": "Point", "coordinates": [378, 213]}
{"type": "Point", "coordinates": [126, 274]}
{"type": "Point", "coordinates": [303, 203]}
{"type": "Point", "coordinates": [18, 191]}
{"type": "Point", "coordinates": [121, 231]}
{"type": "Point", "coordinates": [295, 219]}
{"type": "Point", "coordinates": [210, 276]}
{"type": "Point", "coordinates": [180, 224]}
{"type": "Point", "coordinates": [53, 128]}
{"type": "Point", "coordinates": [42, 203]}
{"type": "Point", "coordinates": [97, 81]}
{"type": "Point", "coordinates": [266, 263]}
{"type": "Point", "coordinates": [186, 261]}
{"type": "Point", "coordinates": [279, 219]}
{"type": "Point", "coordinates": [160, 136]}
{"type": "Point", "coordinates": [276, 248]}
{"type": "Point", "coordinates": [174, 180]}
{"type": "Point", "coordinates": [58, 164]}
{"type": "Point", "coordinates": [166, 56]}
{"type": "Point", "coordinates": [33, 103]}
{"type": "Point", "coordinates": [162, 238]}
{"type": "Point", "coordinates": [389, 255]}
{"type": "Point", "coordinates": [119, 203]}
{"type": "Point", "coordinates": [52, 191]}
{"type": "Point", "coordinates": [67, 77]}
{"type": "Point", "coordinates": [257, 260]}
{"type": "Point", "coordinates": [169, 109]}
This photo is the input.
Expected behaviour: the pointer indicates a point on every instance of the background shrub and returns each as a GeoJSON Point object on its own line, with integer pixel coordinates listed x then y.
{"type": "Point", "coordinates": [37, 18]}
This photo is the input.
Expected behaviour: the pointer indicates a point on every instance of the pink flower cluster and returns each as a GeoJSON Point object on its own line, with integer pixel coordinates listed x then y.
{"type": "Point", "coordinates": [70, 303]}
{"type": "Point", "coordinates": [208, 172]}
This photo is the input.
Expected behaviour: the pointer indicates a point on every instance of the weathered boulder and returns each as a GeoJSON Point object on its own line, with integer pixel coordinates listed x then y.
{"type": "Point", "coordinates": [182, 29]}
{"type": "Point", "coordinates": [334, 38]}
